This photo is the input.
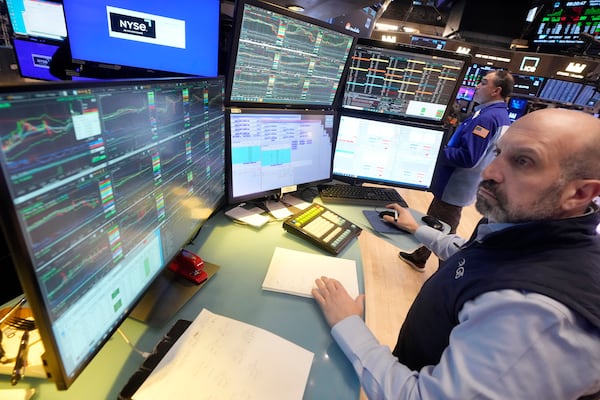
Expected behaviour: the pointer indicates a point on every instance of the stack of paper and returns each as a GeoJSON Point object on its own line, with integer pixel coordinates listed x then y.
{"type": "Point", "coordinates": [294, 272]}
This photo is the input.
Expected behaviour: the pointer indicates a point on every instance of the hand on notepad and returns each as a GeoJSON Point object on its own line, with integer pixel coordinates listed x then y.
{"type": "Point", "coordinates": [335, 302]}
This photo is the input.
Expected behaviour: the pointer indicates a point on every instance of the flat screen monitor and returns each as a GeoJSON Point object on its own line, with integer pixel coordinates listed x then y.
{"type": "Point", "coordinates": [474, 73]}
{"type": "Point", "coordinates": [527, 85]}
{"type": "Point", "coordinates": [561, 24]}
{"type": "Point", "coordinates": [102, 184]}
{"type": "Point", "coordinates": [275, 151]}
{"type": "Point", "coordinates": [425, 41]}
{"type": "Point", "coordinates": [403, 81]}
{"type": "Point", "coordinates": [560, 91]}
{"type": "Point", "coordinates": [34, 58]}
{"type": "Point", "coordinates": [389, 152]}
{"type": "Point", "coordinates": [37, 19]}
{"type": "Point", "coordinates": [285, 59]}
{"type": "Point", "coordinates": [177, 36]}
{"type": "Point", "coordinates": [465, 93]}
{"type": "Point", "coordinates": [517, 107]}
{"type": "Point", "coordinates": [586, 96]}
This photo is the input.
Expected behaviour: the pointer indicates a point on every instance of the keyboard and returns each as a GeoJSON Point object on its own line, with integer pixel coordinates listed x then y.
{"type": "Point", "coordinates": [360, 195]}
{"type": "Point", "coordinates": [323, 228]}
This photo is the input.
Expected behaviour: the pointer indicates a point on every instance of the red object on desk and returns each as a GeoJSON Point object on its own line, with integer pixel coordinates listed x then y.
{"type": "Point", "coordinates": [190, 266]}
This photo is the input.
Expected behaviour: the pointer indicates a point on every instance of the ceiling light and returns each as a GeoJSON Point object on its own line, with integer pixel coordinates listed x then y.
{"type": "Point", "coordinates": [295, 8]}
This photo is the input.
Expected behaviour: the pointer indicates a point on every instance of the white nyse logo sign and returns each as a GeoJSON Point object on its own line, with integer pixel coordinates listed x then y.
{"type": "Point", "coordinates": [575, 67]}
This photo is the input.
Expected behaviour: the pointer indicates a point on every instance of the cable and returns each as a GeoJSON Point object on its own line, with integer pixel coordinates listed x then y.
{"type": "Point", "coordinates": [144, 354]}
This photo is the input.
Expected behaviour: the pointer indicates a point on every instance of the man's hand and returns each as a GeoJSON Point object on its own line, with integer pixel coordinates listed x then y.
{"type": "Point", "coordinates": [335, 302]}
{"type": "Point", "coordinates": [405, 220]}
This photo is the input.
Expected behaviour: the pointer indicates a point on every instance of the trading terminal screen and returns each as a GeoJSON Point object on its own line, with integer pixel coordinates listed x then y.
{"type": "Point", "coordinates": [560, 91]}
{"type": "Point", "coordinates": [37, 18]}
{"type": "Point", "coordinates": [564, 22]}
{"type": "Point", "coordinates": [475, 72]}
{"type": "Point", "coordinates": [402, 81]}
{"type": "Point", "coordinates": [527, 85]}
{"type": "Point", "coordinates": [388, 152]}
{"type": "Point", "coordinates": [277, 151]}
{"type": "Point", "coordinates": [281, 59]}
{"type": "Point", "coordinates": [102, 184]}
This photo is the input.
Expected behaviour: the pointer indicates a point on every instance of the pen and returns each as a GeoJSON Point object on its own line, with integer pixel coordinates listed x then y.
{"type": "Point", "coordinates": [19, 370]}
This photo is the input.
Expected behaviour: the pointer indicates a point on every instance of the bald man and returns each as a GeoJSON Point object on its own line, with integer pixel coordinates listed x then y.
{"type": "Point", "coordinates": [514, 312]}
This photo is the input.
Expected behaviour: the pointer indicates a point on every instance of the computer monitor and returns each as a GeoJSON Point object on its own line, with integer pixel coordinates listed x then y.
{"type": "Point", "coordinates": [275, 151]}
{"type": "Point", "coordinates": [560, 91]}
{"type": "Point", "coordinates": [527, 85]}
{"type": "Point", "coordinates": [34, 58]}
{"type": "Point", "coordinates": [37, 19]}
{"type": "Point", "coordinates": [280, 58]}
{"type": "Point", "coordinates": [102, 184]}
{"type": "Point", "coordinates": [403, 81]}
{"type": "Point", "coordinates": [586, 96]}
{"type": "Point", "coordinates": [426, 41]}
{"type": "Point", "coordinates": [371, 149]}
{"type": "Point", "coordinates": [474, 73]}
{"type": "Point", "coordinates": [177, 36]}
{"type": "Point", "coordinates": [517, 107]}
{"type": "Point", "coordinates": [465, 93]}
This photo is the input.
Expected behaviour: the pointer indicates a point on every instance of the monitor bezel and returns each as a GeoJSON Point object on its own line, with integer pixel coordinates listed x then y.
{"type": "Point", "coordinates": [235, 39]}
{"type": "Point", "coordinates": [359, 180]}
{"type": "Point", "coordinates": [419, 50]}
{"type": "Point", "coordinates": [274, 193]}
{"type": "Point", "coordinates": [19, 248]}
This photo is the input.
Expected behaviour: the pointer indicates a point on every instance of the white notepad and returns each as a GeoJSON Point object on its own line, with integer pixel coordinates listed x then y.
{"type": "Point", "coordinates": [222, 358]}
{"type": "Point", "coordinates": [294, 272]}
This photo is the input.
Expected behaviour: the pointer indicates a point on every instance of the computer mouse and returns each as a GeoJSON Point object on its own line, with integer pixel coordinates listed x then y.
{"type": "Point", "coordinates": [390, 213]}
{"type": "Point", "coordinates": [433, 222]}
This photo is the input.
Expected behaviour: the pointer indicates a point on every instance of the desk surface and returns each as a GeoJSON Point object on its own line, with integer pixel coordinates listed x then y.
{"type": "Point", "coordinates": [243, 254]}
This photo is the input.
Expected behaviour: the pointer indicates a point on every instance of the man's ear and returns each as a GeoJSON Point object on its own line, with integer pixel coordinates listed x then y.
{"type": "Point", "coordinates": [582, 192]}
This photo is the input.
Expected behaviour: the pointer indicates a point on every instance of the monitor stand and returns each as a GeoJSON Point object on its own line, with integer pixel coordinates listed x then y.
{"type": "Point", "coordinates": [166, 295]}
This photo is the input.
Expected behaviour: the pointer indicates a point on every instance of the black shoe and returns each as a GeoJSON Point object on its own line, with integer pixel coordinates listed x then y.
{"type": "Point", "coordinates": [412, 261]}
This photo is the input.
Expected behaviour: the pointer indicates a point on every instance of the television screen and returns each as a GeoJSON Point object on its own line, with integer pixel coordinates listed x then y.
{"type": "Point", "coordinates": [271, 151]}
{"type": "Point", "coordinates": [283, 58]}
{"type": "Point", "coordinates": [179, 36]}
{"type": "Point", "coordinates": [360, 22]}
{"type": "Point", "coordinates": [586, 96]}
{"type": "Point", "coordinates": [403, 81]}
{"type": "Point", "coordinates": [526, 85]}
{"type": "Point", "coordinates": [389, 152]}
{"type": "Point", "coordinates": [435, 43]}
{"type": "Point", "coordinates": [561, 23]}
{"type": "Point", "coordinates": [37, 18]}
{"type": "Point", "coordinates": [474, 73]}
{"type": "Point", "coordinates": [465, 93]}
{"type": "Point", "coordinates": [517, 107]}
{"type": "Point", "coordinates": [102, 184]}
{"type": "Point", "coordinates": [560, 91]}
{"type": "Point", "coordinates": [33, 59]}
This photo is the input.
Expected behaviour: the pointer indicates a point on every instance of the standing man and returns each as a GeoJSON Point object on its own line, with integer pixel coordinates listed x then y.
{"type": "Point", "coordinates": [467, 153]}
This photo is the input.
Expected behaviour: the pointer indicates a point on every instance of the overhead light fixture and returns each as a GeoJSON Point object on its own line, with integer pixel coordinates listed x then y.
{"type": "Point", "coordinates": [295, 8]}
{"type": "Point", "coordinates": [385, 27]}
{"type": "Point", "coordinates": [519, 44]}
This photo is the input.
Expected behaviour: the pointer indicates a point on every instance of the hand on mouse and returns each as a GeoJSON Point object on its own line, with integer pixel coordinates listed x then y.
{"type": "Point", "coordinates": [404, 221]}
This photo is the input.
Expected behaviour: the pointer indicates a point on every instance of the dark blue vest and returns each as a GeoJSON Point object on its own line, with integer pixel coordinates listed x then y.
{"type": "Point", "coordinates": [560, 259]}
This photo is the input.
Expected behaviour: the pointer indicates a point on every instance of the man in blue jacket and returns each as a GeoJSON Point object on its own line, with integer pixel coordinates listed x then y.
{"type": "Point", "coordinates": [513, 313]}
{"type": "Point", "coordinates": [467, 153]}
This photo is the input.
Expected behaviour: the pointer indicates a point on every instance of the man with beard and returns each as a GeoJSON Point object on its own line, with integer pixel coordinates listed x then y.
{"type": "Point", "coordinates": [514, 312]}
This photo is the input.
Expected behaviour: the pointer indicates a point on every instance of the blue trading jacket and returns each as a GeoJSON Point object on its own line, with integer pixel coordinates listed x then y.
{"type": "Point", "coordinates": [468, 152]}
